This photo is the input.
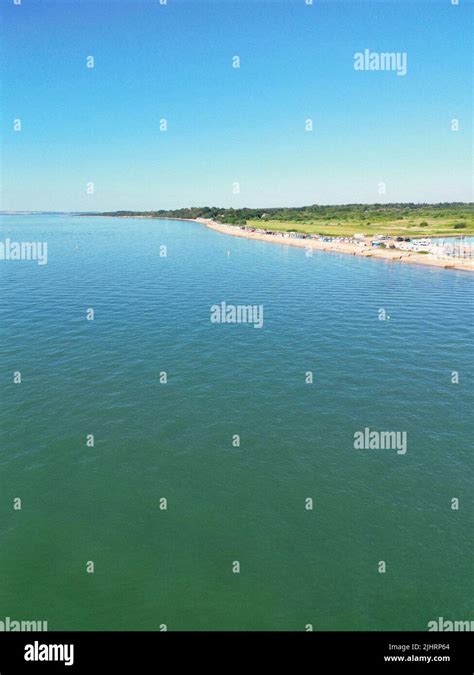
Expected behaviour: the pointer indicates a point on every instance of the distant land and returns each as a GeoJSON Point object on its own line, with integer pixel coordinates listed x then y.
{"type": "Point", "coordinates": [437, 220]}
{"type": "Point", "coordinates": [40, 213]}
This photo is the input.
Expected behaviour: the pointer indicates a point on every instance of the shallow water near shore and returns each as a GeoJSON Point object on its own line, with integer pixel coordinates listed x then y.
{"type": "Point", "coordinates": [174, 440]}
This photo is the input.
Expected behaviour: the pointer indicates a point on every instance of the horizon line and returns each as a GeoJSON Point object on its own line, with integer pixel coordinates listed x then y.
{"type": "Point", "coordinates": [240, 208]}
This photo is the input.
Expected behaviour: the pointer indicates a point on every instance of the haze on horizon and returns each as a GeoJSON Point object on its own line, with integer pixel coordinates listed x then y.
{"type": "Point", "coordinates": [265, 206]}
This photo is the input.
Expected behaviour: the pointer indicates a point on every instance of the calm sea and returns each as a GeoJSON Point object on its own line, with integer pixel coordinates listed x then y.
{"type": "Point", "coordinates": [228, 504]}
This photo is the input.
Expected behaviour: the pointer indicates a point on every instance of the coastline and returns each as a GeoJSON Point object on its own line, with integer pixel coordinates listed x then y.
{"type": "Point", "coordinates": [339, 247]}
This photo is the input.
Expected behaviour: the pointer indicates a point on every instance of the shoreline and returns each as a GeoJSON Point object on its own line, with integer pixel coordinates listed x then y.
{"type": "Point", "coordinates": [361, 250]}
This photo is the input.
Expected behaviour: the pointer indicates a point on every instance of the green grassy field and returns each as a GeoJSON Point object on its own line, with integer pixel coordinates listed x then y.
{"type": "Point", "coordinates": [430, 220]}
{"type": "Point", "coordinates": [345, 228]}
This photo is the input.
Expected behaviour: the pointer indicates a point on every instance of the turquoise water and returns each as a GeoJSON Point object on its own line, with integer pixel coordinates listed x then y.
{"type": "Point", "coordinates": [174, 440]}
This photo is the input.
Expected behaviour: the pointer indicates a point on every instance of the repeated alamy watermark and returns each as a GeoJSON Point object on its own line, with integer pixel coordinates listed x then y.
{"type": "Point", "coordinates": [369, 439]}
{"type": "Point", "coordinates": [226, 313]}
{"type": "Point", "coordinates": [394, 61]}
{"type": "Point", "coordinates": [8, 625]}
{"type": "Point", "coordinates": [24, 250]}
{"type": "Point", "coordinates": [446, 626]}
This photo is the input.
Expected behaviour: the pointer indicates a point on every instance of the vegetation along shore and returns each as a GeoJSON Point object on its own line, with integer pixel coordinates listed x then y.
{"type": "Point", "coordinates": [413, 233]}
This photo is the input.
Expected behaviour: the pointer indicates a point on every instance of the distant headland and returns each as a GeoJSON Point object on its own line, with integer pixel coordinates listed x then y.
{"type": "Point", "coordinates": [426, 234]}
{"type": "Point", "coordinates": [398, 219]}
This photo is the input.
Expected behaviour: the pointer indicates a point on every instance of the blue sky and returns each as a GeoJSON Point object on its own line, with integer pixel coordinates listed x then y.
{"type": "Point", "coordinates": [228, 125]}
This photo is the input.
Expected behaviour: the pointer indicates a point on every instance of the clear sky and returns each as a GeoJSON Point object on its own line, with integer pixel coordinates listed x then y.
{"type": "Point", "coordinates": [232, 125]}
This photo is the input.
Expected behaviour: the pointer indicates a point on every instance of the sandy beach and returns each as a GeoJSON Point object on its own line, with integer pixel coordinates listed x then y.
{"type": "Point", "coordinates": [364, 250]}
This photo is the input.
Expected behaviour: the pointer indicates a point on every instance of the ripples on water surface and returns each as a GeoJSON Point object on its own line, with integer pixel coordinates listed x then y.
{"type": "Point", "coordinates": [175, 440]}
